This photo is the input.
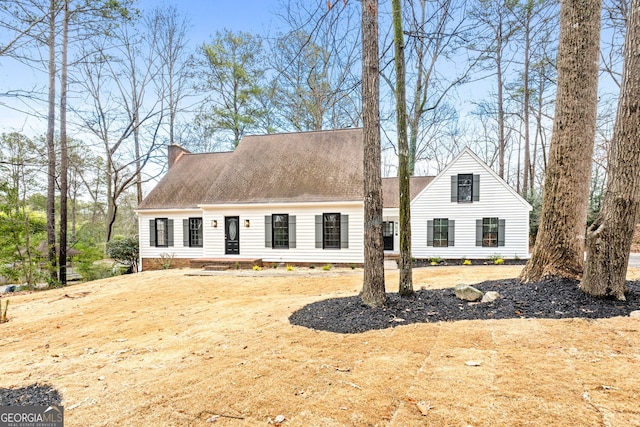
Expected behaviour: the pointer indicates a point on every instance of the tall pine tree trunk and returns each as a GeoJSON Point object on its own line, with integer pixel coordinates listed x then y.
{"type": "Point", "coordinates": [501, 137]}
{"type": "Point", "coordinates": [609, 237]}
{"type": "Point", "coordinates": [373, 290]}
{"type": "Point", "coordinates": [64, 157]}
{"type": "Point", "coordinates": [405, 287]}
{"type": "Point", "coordinates": [51, 147]}
{"type": "Point", "coordinates": [559, 248]}
{"type": "Point", "coordinates": [526, 101]}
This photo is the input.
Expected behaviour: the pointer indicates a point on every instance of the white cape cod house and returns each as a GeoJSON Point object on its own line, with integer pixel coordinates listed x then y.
{"type": "Point", "coordinates": [297, 198]}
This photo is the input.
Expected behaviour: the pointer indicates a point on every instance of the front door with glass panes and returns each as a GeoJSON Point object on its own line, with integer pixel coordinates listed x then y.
{"type": "Point", "coordinates": [231, 235]}
{"type": "Point", "coordinates": [387, 235]}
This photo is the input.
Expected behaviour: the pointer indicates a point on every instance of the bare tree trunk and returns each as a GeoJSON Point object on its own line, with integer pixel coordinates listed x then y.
{"type": "Point", "coordinates": [414, 122]}
{"type": "Point", "coordinates": [559, 248]}
{"type": "Point", "coordinates": [525, 102]}
{"type": "Point", "coordinates": [51, 147]}
{"type": "Point", "coordinates": [136, 143]}
{"type": "Point", "coordinates": [540, 130]}
{"type": "Point", "coordinates": [64, 157]}
{"type": "Point", "coordinates": [406, 280]}
{"type": "Point", "coordinates": [501, 138]}
{"type": "Point", "coordinates": [110, 216]}
{"type": "Point", "coordinates": [373, 289]}
{"type": "Point", "coordinates": [74, 209]}
{"type": "Point", "coordinates": [609, 237]}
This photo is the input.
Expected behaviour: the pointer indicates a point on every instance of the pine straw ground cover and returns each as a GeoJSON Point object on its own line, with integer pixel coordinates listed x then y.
{"type": "Point", "coordinates": [164, 348]}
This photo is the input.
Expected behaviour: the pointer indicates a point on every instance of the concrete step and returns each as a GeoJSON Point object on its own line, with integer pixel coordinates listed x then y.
{"type": "Point", "coordinates": [230, 263]}
{"type": "Point", "coordinates": [216, 267]}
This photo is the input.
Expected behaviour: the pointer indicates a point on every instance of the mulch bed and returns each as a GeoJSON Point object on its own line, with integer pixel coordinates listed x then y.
{"type": "Point", "coordinates": [31, 395]}
{"type": "Point", "coordinates": [549, 299]}
{"type": "Point", "coordinates": [460, 261]}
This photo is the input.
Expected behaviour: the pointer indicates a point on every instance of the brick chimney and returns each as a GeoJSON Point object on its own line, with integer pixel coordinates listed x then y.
{"type": "Point", "coordinates": [174, 153]}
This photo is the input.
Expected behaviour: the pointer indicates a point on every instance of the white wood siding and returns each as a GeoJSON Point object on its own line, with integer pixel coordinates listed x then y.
{"type": "Point", "coordinates": [495, 201]}
{"type": "Point", "coordinates": [252, 239]}
{"type": "Point", "coordinates": [178, 250]}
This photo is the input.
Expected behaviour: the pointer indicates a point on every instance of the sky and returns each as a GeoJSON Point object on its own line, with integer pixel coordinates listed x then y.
{"type": "Point", "coordinates": [205, 17]}
{"type": "Point", "coordinates": [209, 16]}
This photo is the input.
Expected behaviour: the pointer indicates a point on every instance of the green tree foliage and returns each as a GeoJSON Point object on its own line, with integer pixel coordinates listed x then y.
{"type": "Point", "coordinates": [19, 229]}
{"type": "Point", "coordinates": [125, 250]}
{"type": "Point", "coordinates": [232, 69]}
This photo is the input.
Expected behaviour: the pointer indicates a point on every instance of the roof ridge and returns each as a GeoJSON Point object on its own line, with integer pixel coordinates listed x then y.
{"type": "Point", "coordinates": [302, 132]}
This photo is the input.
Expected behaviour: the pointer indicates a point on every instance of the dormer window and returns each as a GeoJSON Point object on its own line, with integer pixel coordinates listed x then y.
{"type": "Point", "coordinates": [465, 188]}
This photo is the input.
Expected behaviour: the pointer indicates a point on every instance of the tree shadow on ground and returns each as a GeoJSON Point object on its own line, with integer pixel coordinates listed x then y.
{"type": "Point", "coordinates": [549, 299]}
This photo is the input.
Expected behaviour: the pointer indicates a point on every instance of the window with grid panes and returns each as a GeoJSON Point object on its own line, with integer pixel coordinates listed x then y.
{"type": "Point", "coordinates": [195, 232]}
{"type": "Point", "coordinates": [280, 224]}
{"type": "Point", "coordinates": [465, 188]}
{"type": "Point", "coordinates": [331, 230]}
{"type": "Point", "coordinates": [162, 228]}
{"type": "Point", "coordinates": [441, 232]}
{"type": "Point", "coordinates": [490, 232]}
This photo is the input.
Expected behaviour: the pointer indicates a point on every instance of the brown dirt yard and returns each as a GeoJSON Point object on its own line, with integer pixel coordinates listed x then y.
{"type": "Point", "coordinates": [162, 348]}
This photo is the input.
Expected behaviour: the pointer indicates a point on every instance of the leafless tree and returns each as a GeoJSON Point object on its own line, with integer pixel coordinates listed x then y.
{"type": "Point", "coordinates": [171, 47]}
{"type": "Point", "coordinates": [21, 21]}
{"type": "Point", "coordinates": [436, 32]}
{"type": "Point", "coordinates": [536, 21]}
{"type": "Point", "coordinates": [315, 66]}
{"type": "Point", "coordinates": [117, 81]}
{"type": "Point", "coordinates": [495, 43]}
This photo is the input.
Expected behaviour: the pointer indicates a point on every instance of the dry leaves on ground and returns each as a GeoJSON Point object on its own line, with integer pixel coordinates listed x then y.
{"type": "Point", "coordinates": [177, 350]}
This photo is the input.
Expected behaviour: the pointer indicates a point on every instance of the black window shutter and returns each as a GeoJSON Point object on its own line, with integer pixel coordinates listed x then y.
{"type": "Point", "coordinates": [476, 188]}
{"type": "Point", "coordinates": [185, 233]}
{"type": "Point", "coordinates": [319, 231]}
{"type": "Point", "coordinates": [344, 231]}
{"type": "Point", "coordinates": [429, 232]}
{"type": "Point", "coordinates": [152, 233]}
{"type": "Point", "coordinates": [451, 232]}
{"type": "Point", "coordinates": [268, 232]}
{"type": "Point", "coordinates": [292, 231]}
{"type": "Point", "coordinates": [478, 232]}
{"type": "Point", "coordinates": [501, 229]}
{"type": "Point", "coordinates": [454, 188]}
{"type": "Point", "coordinates": [170, 232]}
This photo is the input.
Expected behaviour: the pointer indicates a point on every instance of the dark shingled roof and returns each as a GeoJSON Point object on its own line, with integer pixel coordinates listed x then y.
{"type": "Point", "coordinates": [293, 167]}
{"type": "Point", "coordinates": [320, 166]}
{"type": "Point", "coordinates": [187, 181]}
{"type": "Point", "coordinates": [391, 190]}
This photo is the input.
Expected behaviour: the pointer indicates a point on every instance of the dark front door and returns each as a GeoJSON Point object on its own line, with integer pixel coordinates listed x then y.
{"type": "Point", "coordinates": [387, 235]}
{"type": "Point", "coordinates": [231, 235]}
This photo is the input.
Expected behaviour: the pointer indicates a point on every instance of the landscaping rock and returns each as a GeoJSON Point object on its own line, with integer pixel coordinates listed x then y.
{"type": "Point", "coordinates": [490, 296]}
{"type": "Point", "coordinates": [635, 314]}
{"type": "Point", "coordinates": [550, 299]}
{"type": "Point", "coordinates": [467, 293]}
